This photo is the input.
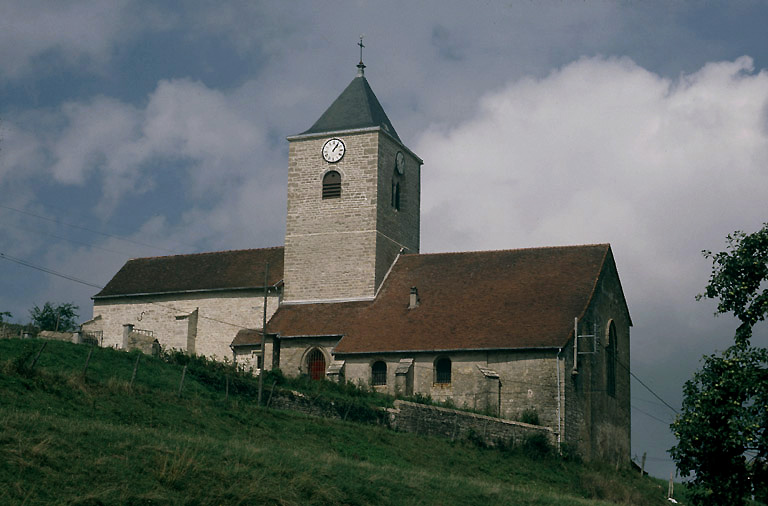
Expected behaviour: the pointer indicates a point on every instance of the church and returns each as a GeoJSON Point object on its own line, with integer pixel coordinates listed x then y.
{"type": "Point", "coordinates": [349, 297]}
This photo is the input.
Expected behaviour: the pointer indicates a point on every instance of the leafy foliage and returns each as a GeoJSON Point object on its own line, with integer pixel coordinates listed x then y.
{"type": "Point", "coordinates": [721, 431]}
{"type": "Point", "coordinates": [3, 315]}
{"type": "Point", "coordinates": [739, 278]}
{"type": "Point", "coordinates": [62, 317]}
{"type": "Point", "coordinates": [530, 415]}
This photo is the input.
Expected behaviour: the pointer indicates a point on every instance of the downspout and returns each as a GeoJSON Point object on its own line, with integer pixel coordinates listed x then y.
{"type": "Point", "coordinates": [559, 400]}
{"type": "Point", "coordinates": [499, 410]}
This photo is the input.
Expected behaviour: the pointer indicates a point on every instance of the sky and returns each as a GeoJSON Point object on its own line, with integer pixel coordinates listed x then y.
{"type": "Point", "coordinates": [132, 129]}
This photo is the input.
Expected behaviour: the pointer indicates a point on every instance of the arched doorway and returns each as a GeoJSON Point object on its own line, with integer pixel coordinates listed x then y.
{"type": "Point", "coordinates": [316, 364]}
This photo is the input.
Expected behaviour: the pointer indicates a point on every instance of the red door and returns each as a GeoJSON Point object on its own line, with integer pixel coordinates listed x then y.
{"type": "Point", "coordinates": [316, 364]}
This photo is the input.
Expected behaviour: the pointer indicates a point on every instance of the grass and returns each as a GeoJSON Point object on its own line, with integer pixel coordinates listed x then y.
{"type": "Point", "coordinates": [65, 439]}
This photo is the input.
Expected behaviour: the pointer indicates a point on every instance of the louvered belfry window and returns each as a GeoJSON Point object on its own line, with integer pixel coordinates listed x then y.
{"type": "Point", "coordinates": [332, 185]}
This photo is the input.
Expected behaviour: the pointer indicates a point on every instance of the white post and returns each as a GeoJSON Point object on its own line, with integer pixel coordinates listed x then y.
{"type": "Point", "coordinates": [575, 345]}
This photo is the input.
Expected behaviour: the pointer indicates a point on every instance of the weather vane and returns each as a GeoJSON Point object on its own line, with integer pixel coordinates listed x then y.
{"type": "Point", "coordinates": [361, 65]}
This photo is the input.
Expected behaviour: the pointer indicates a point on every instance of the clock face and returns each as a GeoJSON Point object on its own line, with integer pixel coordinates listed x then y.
{"type": "Point", "coordinates": [333, 150]}
{"type": "Point", "coordinates": [400, 162]}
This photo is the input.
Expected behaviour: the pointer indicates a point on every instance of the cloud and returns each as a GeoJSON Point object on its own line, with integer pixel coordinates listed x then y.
{"type": "Point", "coordinates": [603, 150]}
{"type": "Point", "coordinates": [202, 137]}
{"type": "Point", "coordinates": [76, 32]}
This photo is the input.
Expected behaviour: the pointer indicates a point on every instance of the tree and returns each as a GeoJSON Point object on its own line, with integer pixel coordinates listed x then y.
{"type": "Point", "coordinates": [4, 315]}
{"type": "Point", "coordinates": [722, 429]}
{"type": "Point", "coordinates": [739, 278]}
{"type": "Point", "coordinates": [61, 318]}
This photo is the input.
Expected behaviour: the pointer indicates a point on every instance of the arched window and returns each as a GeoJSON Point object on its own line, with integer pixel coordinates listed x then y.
{"type": "Point", "coordinates": [397, 189]}
{"type": "Point", "coordinates": [396, 195]}
{"type": "Point", "coordinates": [332, 185]}
{"type": "Point", "coordinates": [443, 371]}
{"type": "Point", "coordinates": [379, 373]}
{"type": "Point", "coordinates": [316, 364]}
{"type": "Point", "coordinates": [610, 361]}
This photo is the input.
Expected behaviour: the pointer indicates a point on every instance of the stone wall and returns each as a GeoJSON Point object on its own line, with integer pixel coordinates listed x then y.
{"type": "Point", "coordinates": [526, 380]}
{"type": "Point", "coordinates": [396, 228]}
{"type": "Point", "coordinates": [139, 339]}
{"type": "Point", "coordinates": [171, 318]}
{"type": "Point", "coordinates": [70, 337]}
{"type": "Point", "coordinates": [598, 424]}
{"type": "Point", "coordinates": [294, 351]}
{"type": "Point", "coordinates": [343, 247]}
{"type": "Point", "coordinates": [330, 244]}
{"type": "Point", "coordinates": [454, 424]}
{"type": "Point", "coordinates": [425, 420]}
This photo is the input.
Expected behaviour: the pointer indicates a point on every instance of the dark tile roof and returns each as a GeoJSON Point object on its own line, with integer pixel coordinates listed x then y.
{"type": "Point", "coordinates": [246, 337]}
{"type": "Point", "coordinates": [356, 107]}
{"type": "Point", "coordinates": [524, 298]}
{"type": "Point", "coordinates": [219, 270]}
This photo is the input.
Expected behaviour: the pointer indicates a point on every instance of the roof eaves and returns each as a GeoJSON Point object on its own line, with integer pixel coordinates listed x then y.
{"type": "Point", "coordinates": [316, 135]}
{"type": "Point", "coordinates": [176, 292]}
{"type": "Point", "coordinates": [310, 336]}
{"type": "Point", "coordinates": [448, 350]}
{"type": "Point", "coordinates": [325, 301]}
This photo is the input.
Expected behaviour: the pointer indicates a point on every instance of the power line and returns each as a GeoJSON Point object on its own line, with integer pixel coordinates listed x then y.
{"type": "Point", "coordinates": [79, 227]}
{"type": "Point", "coordinates": [650, 415]}
{"type": "Point", "coordinates": [647, 387]}
{"type": "Point", "coordinates": [46, 270]}
{"type": "Point", "coordinates": [76, 280]}
{"type": "Point", "coordinates": [83, 243]}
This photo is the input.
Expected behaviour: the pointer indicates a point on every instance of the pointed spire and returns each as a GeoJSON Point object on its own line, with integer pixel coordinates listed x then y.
{"type": "Point", "coordinates": [361, 65]}
{"type": "Point", "coordinates": [356, 107]}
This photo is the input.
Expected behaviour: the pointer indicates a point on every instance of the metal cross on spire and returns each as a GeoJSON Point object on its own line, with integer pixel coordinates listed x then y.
{"type": "Point", "coordinates": [361, 65]}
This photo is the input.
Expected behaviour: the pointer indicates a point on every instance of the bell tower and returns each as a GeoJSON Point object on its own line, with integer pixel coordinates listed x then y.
{"type": "Point", "coordinates": [353, 200]}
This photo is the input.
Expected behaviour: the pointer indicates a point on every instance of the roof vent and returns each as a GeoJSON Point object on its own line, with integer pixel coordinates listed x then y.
{"type": "Point", "coordinates": [414, 301]}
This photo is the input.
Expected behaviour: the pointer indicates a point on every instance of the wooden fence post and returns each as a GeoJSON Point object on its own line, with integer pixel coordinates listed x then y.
{"type": "Point", "coordinates": [87, 361]}
{"type": "Point", "coordinates": [181, 383]}
{"type": "Point", "coordinates": [671, 490]}
{"type": "Point", "coordinates": [272, 390]}
{"type": "Point", "coordinates": [38, 356]}
{"type": "Point", "coordinates": [135, 368]}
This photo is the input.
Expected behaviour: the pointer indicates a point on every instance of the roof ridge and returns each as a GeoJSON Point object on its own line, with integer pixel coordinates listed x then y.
{"type": "Point", "coordinates": [532, 248]}
{"type": "Point", "coordinates": [206, 253]}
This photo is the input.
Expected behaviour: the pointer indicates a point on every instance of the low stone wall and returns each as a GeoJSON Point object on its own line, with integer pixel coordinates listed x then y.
{"type": "Point", "coordinates": [454, 424]}
{"type": "Point", "coordinates": [424, 419]}
{"type": "Point", "coordinates": [68, 337]}
{"type": "Point", "coordinates": [296, 401]}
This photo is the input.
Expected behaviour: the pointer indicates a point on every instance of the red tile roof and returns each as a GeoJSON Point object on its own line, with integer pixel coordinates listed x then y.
{"type": "Point", "coordinates": [220, 270]}
{"type": "Point", "coordinates": [524, 298]}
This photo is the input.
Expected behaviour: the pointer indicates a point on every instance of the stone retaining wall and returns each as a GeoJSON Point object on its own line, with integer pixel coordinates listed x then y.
{"type": "Point", "coordinates": [426, 420]}
{"type": "Point", "coordinates": [454, 424]}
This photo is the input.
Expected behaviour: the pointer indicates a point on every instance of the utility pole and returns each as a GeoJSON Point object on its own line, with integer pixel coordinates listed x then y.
{"type": "Point", "coordinates": [263, 332]}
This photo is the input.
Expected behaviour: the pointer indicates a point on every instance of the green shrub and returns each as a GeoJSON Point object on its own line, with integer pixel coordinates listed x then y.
{"type": "Point", "coordinates": [529, 415]}
{"type": "Point", "coordinates": [536, 446]}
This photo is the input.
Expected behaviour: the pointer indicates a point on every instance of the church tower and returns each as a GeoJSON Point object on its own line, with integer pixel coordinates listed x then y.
{"type": "Point", "coordinates": [353, 200]}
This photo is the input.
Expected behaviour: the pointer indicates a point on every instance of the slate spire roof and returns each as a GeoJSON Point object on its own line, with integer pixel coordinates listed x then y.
{"type": "Point", "coordinates": [356, 107]}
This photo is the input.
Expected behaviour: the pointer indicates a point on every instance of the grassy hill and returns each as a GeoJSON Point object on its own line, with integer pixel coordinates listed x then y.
{"type": "Point", "coordinates": [70, 439]}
